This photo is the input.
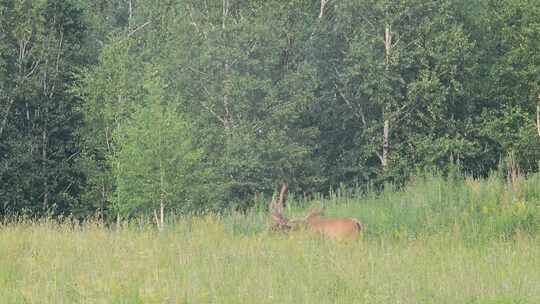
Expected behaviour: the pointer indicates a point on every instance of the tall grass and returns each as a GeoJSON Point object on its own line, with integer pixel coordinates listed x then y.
{"type": "Point", "coordinates": [432, 204]}
{"type": "Point", "coordinates": [439, 240]}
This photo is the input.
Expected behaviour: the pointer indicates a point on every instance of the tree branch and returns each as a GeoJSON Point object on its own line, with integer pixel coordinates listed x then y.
{"type": "Point", "coordinates": [379, 156]}
{"type": "Point", "coordinates": [359, 115]}
{"type": "Point", "coordinates": [221, 119]}
{"type": "Point", "coordinates": [138, 28]}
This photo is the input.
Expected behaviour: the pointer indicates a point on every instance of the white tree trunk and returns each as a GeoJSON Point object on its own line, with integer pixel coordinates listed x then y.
{"type": "Point", "coordinates": [160, 222]}
{"type": "Point", "coordinates": [386, 114]}
{"type": "Point", "coordinates": [162, 214]}
{"type": "Point", "coordinates": [323, 4]}
{"type": "Point", "coordinates": [227, 116]}
{"type": "Point", "coordinates": [386, 143]}
{"type": "Point", "coordinates": [387, 46]}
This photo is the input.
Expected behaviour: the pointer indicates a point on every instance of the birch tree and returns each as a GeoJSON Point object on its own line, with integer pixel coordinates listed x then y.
{"type": "Point", "coordinates": [155, 162]}
{"type": "Point", "coordinates": [400, 76]}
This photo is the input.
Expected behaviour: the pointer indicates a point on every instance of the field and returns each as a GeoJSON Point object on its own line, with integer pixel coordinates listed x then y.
{"type": "Point", "coordinates": [439, 240]}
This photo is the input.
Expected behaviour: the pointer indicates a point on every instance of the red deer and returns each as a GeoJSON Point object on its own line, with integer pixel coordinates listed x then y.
{"type": "Point", "coordinates": [338, 228]}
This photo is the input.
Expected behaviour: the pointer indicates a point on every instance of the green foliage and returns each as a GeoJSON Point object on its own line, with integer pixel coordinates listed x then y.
{"type": "Point", "coordinates": [416, 82]}
{"type": "Point", "coordinates": [269, 91]}
{"type": "Point", "coordinates": [111, 91]}
{"type": "Point", "coordinates": [42, 43]}
{"type": "Point", "coordinates": [155, 160]}
{"type": "Point", "coordinates": [507, 80]}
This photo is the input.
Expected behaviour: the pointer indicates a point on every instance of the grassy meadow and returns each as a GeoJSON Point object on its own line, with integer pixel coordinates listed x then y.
{"type": "Point", "coordinates": [438, 240]}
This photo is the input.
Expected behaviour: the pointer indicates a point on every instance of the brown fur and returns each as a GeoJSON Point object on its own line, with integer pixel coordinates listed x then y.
{"type": "Point", "coordinates": [338, 229]}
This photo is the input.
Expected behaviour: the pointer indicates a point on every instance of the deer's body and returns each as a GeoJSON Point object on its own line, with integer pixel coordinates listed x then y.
{"type": "Point", "coordinates": [339, 229]}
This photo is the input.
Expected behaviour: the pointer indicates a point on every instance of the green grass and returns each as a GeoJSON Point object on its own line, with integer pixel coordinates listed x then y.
{"type": "Point", "coordinates": [438, 241]}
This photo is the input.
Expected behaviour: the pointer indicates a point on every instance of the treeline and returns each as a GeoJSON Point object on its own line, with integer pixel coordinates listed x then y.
{"type": "Point", "coordinates": [115, 107]}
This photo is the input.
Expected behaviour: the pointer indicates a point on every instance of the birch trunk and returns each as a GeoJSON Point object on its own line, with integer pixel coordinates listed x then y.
{"type": "Point", "coordinates": [386, 144]}
{"type": "Point", "coordinates": [227, 119]}
{"type": "Point", "coordinates": [323, 4]}
{"type": "Point", "coordinates": [385, 114]}
{"type": "Point", "coordinates": [162, 214]}
{"type": "Point", "coordinates": [161, 197]}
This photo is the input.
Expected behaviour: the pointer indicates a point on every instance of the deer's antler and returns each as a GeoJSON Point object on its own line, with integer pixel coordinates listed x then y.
{"type": "Point", "coordinates": [276, 209]}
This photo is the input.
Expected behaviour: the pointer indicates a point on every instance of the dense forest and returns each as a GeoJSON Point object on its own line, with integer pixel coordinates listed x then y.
{"type": "Point", "coordinates": [115, 107]}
